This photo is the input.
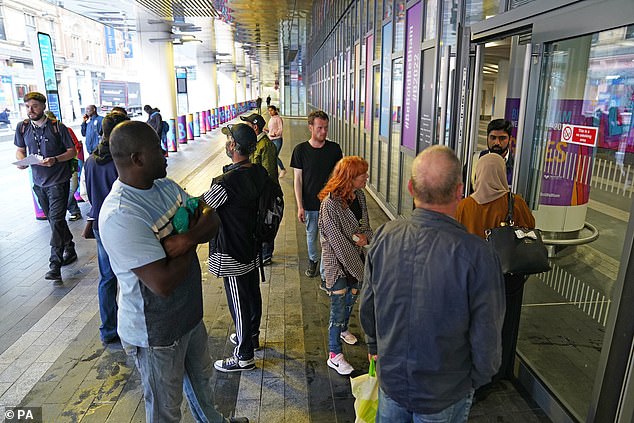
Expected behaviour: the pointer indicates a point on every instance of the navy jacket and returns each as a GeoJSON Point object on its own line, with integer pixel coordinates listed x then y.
{"type": "Point", "coordinates": [99, 180]}
{"type": "Point", "coordinates": [91, 129]}
{"type": "Point", "coordinates": [432, 307]}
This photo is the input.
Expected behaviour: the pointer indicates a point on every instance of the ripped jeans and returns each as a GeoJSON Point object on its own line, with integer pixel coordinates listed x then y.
{"type": "Point", "coordinates": [340, 310]}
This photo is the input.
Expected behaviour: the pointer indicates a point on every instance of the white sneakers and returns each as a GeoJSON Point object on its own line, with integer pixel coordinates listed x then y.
{"type": "Point", "coordinates": [339, 363]}
{"type": "Point", "coordinates": [348, 338]}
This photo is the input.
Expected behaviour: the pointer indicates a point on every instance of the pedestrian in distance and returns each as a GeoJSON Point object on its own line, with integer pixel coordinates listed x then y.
{"type": "Point", "coordinates": [274, 131]}
{"type": "Point", "coordinates": [91, 128]}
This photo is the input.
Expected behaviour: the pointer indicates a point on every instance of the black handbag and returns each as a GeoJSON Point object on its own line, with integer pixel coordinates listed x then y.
{"type": "Point", "coordinates": [521, 250]}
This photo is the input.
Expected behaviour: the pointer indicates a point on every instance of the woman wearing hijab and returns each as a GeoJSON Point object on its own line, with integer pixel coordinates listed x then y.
{"type": "Point", "coordinates": [99, 175]}
{"type": "Point", "coordinates": [486, 208]}
{"type": "Point", "coordinates": [344, 230]}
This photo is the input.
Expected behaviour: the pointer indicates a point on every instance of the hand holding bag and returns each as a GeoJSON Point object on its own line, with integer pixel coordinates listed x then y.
{"type": "Point", "coordinates": [521, 250]}
{"type": "Point", "coordinates": [365, 389]}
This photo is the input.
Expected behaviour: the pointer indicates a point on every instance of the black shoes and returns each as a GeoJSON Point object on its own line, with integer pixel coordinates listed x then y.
{"type": "Point", "coordinates": [70, 255]}
{"type": "Point", "coordinates": [54, 275]}
{"type": "Point", "coordinates": [312, 270]}
{"type": "Point", "coordinates": [74, 217]}
{"type": "Point", "coordinates": [238, 420]}
{"type": "Point", "coordinates": [267, 261]}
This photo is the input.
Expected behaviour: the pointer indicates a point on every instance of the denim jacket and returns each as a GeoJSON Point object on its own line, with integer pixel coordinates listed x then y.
{"type": "Point", "coordinates": [432, 307]}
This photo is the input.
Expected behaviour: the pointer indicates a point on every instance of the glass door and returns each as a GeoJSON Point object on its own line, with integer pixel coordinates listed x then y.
{"type": "Point", "coordinates": [581, 183]}
{"type": "Point", "coordinates": [499, 92]}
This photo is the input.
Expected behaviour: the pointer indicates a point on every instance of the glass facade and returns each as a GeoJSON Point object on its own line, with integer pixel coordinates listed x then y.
{"type": "Point", "coordinates": [585, 146]}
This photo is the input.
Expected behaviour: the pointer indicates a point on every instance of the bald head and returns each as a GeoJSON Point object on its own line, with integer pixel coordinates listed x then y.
{"type": "Point", "coordinates": [436, 175]}
{"type": "Point", "coordinates": [130, 137]}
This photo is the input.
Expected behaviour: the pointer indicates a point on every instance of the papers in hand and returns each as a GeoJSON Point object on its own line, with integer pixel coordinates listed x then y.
{"type": "Point", "coordinates": [32, 159]}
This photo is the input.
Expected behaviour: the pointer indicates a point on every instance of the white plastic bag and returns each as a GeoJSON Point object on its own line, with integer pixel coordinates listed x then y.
{"type": "Point", "coordinates": [365, 389]}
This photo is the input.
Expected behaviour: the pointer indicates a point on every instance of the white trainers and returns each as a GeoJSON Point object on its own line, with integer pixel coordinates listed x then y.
{"type": "Point", "coordinates": [348, 338]}
{"type": "Point", "coordinates": [340, 364]}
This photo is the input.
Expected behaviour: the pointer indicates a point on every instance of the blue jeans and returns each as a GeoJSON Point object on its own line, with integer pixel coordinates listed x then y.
{"type": "Point", "coordinates": [278, 145]}
{"type": "Point", "coordinates": [107, 293]}
{"type": "Point", "coordinates": [392, 412]}
{"type": "Point", "coordinates": [312, 234]}
{"type": "Point", "coordinates": [167, 372]}
{"type": "Point", "coordinates": [72, 206]}
{"type": "Point", "coordinates": [53, 201]}
{"type": "Point", "coordinates": [340, 310]}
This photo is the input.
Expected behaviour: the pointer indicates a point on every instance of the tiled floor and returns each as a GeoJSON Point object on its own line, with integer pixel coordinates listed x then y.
{"type": "Point", "coordinates": [51, 356]}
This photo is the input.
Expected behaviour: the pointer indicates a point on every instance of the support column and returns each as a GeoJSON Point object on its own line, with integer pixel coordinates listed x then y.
{"type": "Point", "coordinates": [203, 92]}
{"type": "Point", "coordinates": [158, 83]}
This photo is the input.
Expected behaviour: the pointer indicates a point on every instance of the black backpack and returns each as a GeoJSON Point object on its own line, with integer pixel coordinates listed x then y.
{"type": "Point", "coordinates": [270, 211]}
{"type": "Point", "coordinates": [269, 216]}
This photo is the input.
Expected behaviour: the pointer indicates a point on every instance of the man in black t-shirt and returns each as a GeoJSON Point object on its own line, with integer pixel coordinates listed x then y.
{"type": "Point", "coordinates": [313, 162]}
{"type": "Point", "coordinates": [52, 144]}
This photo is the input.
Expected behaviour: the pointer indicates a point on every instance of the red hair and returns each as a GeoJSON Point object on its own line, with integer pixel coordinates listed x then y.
{"type": "Point", "coordinates": [340, 183]}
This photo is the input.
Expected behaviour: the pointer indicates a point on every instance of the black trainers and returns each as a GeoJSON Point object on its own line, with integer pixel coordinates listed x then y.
{"type": "Point", "coordinates": [267, 261]}
{"type": "Point", "coordinates": [234, 364]}
{"type": "Point", "coordinates": [255, 341]}
{"type": "Point", "coordinates": [74, 217]}
{"type": "Point", "coordinates": [312, 270]}
{"type": "Point", "coordinates": [54, 274]}
{"type": "Point", "coordinates": [238, 420]}
{"type": "Point", "coordinates": [70, 255]}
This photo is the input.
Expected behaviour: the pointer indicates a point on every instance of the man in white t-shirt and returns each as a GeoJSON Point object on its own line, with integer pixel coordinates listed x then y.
{"type": "Point", "coordinates": [160, 293]}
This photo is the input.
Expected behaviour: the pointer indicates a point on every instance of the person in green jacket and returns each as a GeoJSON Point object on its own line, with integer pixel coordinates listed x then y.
{"type": "Point", "coordinates": [265, 154]}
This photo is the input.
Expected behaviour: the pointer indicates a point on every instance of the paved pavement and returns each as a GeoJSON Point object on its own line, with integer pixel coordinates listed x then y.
{"type": "Point", "coordinates": [51, 356]}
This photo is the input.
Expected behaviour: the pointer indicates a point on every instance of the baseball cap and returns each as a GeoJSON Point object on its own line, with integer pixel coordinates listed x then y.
{"type": "Point", "coordinates": [34, 95]}
{"type": "Point", "coordinates": [242, 133]}
{"type": "Point", "coordinates": [254, 118]}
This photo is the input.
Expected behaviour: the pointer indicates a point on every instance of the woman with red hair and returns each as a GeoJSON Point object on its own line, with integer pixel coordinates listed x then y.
{"type": "Point", "coordinates": [344, 230]}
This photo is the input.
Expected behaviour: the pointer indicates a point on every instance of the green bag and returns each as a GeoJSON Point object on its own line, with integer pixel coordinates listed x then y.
{"type": "Point", "coordinates": [365, 389]}
{"type": "Point", "coordinates": [180, 221]}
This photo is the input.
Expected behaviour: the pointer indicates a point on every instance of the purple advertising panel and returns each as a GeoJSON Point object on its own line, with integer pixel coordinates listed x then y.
{"type": "Point", "coordinates": [190, 126]}
{"type": "Point", "coordinates": [511, 113]}
{"type": "Point", "coordinates": [567, 167]}
{"type": "Point", "coordinates": [182, 130]}
{"type": "Point", "coordinates": [357, 89]}
{"type": "Point", "coordinates": [202, 124]}
{"type": "Point", "coordinates": [412, 75]}
{"type": "Point", "coordinates": [172, 145]}
{"type": "Point", "coordinates": [347, 78]}
{"type": "Point", "coordinates": [369, 50]}
{"type": "Point", "coordinates": [386, 80]}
